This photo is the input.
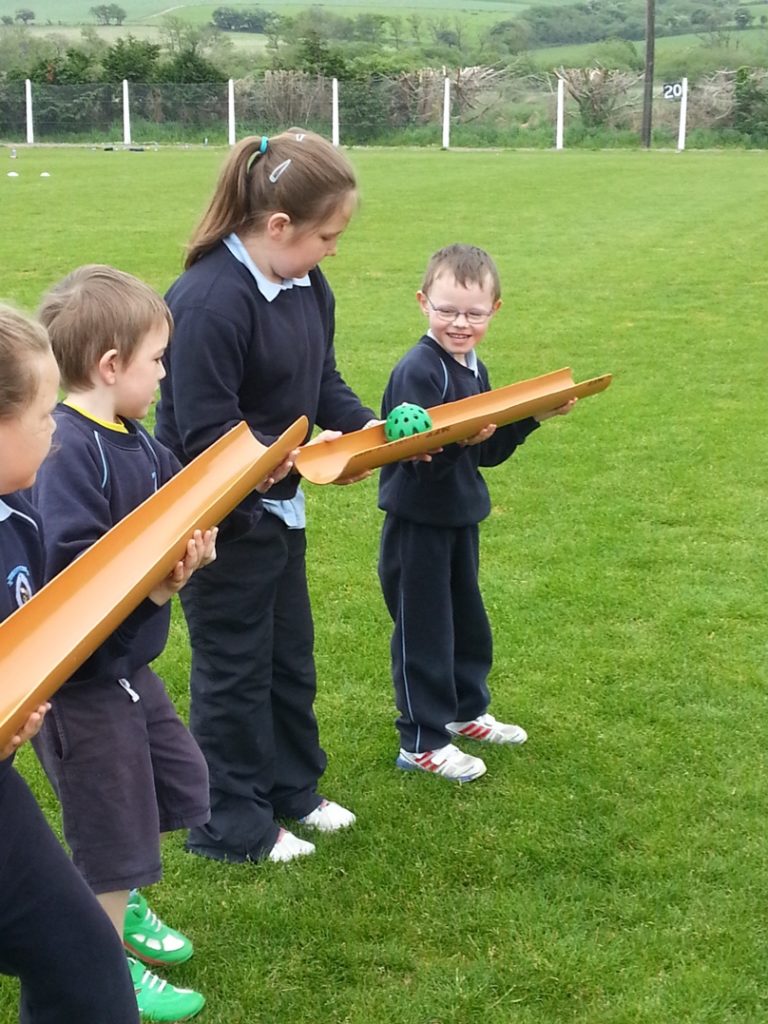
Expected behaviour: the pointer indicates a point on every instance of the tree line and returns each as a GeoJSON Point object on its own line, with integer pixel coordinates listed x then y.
{"type": "Point", "coordinates": [541, 25]}
{"type": "Point", "coordinates": [320, 41]}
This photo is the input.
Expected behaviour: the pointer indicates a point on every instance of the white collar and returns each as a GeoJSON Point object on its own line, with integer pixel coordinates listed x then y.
{"type": "Point", "coordinates": [269, 289]}
{"type": "Point", "coordinates": [6, 512]}
{"type": "Point", "coordinates": [471, 363]}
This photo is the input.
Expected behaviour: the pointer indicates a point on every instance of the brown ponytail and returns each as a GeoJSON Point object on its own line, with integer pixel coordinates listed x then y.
{"type": "Point", "coordinates": [297, 172]}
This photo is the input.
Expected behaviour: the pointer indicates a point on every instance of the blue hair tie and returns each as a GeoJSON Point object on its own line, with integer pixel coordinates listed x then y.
{"type": "Point", "coordinates": [257, 155]}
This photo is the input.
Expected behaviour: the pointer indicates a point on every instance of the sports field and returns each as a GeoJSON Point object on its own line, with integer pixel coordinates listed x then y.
{"type": "Point", "coordinates": [614, 870]}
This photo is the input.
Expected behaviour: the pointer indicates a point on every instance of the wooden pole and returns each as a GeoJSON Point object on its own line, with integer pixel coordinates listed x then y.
{"type": "Point", "coordinates": [650, 46]}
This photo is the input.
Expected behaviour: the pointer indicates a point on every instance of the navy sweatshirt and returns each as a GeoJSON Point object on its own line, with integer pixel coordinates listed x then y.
{"type": "Point", "coordinates": [91, 480]}
{"type": "Point", "coordinates": [21, 563]}
{"type": "Point", "coordinates": [448, 491]}
{"type": "Point", "coordinates": [235, 356]}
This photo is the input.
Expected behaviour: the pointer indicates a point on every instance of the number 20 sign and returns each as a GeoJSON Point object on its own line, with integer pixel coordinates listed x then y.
{"type": "Point", "coordinates": [672, 90]}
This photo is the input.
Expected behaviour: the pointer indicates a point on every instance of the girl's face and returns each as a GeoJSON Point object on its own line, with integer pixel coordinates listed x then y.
{"type": "Point", "coordinates": [25, 438]}
{"type": "Point", "coordinates": [301, 247]}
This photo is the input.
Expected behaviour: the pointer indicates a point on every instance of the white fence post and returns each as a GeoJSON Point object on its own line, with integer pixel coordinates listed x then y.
{"type": "Point", "coordinates": [126, 115]}
{"type": "Point", "coordinates": [231, 111]}
{"type": "Point", "coordinates": [683, 116]}
{"type": "Point", "coordinates": [447, 113]}
{"type": "Point", "coordinates": [335, 111]}
{"type": "Point", "coordinates": [30, 121]}
{"type": "Point", "coordinates": [560, 111]}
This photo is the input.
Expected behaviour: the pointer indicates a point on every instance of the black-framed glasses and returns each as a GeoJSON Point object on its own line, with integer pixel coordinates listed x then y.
{"type": "Point", "coordinates": [449, 314]}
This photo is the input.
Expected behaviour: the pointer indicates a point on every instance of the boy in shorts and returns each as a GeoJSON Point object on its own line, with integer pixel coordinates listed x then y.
{"type": "Point", "coordinates": [123, 764]}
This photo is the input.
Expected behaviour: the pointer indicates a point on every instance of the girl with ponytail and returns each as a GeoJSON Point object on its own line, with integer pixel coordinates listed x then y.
{"type": "Point", "coordinates": [253, 341]}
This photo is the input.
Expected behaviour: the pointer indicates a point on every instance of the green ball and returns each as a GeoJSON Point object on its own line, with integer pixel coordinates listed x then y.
{"type": "Point", "coordinates": [406, 420]}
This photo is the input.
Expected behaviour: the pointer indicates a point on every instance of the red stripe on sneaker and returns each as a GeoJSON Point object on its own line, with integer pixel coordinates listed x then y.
{"type": "Point", "coordinates": [475, 731]}
{"type": "Point", "coordinates": [425, 761]}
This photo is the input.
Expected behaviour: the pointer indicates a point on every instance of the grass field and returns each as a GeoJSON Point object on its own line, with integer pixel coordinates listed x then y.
{"type": "Point", "coordinates": [613, 870]}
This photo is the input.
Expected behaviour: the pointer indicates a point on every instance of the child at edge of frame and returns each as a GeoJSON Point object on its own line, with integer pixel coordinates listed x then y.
{"type": "Point", "coordinates": [54, 936]}
{"type": "Point", "coordinates": [441, 645]}
{"type": "Point", "coordinates": [122, 763]}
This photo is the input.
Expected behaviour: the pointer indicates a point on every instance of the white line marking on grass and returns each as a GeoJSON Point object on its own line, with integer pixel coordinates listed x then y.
{"type": "Point", "coordinates": [168, 10]}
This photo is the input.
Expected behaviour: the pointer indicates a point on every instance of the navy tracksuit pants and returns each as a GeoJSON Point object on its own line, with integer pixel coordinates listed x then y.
{"type": "Point", "coordinates": [54, 935]}
{"type": "Point", "coordinates": [252, 688]}
{"type": "Point", "coordinates": [442, 647]}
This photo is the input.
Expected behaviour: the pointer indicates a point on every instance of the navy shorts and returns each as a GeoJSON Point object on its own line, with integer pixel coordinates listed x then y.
{"type": "Point", "coordinates": [125, 769]}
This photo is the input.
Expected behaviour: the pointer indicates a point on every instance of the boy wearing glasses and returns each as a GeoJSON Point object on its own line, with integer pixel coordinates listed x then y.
{"type": "Point", "coordinates": [428, 565]}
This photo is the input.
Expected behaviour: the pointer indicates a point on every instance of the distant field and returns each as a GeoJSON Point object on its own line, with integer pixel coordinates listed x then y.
{"type": "Point", "coordinates": [145, 17]}
{"type": "Point", "coordinates": [152, 32]}
{"type": "Point", "coordinates": [676, 55]}
{"type": "Point", "coordinates": [141, 11]}
{"type": "Point", "coordinates": [473, 12]}
{"type": "Point", "coordinates": [73, 11]}
{"type": "Point", "coordinates": [743, 45]}
{"type": "Point", "coordinates": [428, 9]}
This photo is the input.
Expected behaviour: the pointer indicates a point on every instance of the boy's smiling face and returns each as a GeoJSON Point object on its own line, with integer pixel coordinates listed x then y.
{"type": "Point", "coordinates": [458, 314]}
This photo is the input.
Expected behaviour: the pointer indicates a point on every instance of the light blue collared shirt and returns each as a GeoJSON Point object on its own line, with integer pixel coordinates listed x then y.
{"type": "Point", "coordinates": [292, 511]}
{"type": "Point", "coordinates": [471, 356]}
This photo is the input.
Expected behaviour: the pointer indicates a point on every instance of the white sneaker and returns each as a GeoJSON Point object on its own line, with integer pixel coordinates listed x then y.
{"type": "Point", "coordinates": [289, 847]}
{"type": "Point", "coordinates": [448, 761]}
{"type": "Point", "coordinates": [328, 817]}
{"type": "Point", "coordinates": [485, 729]}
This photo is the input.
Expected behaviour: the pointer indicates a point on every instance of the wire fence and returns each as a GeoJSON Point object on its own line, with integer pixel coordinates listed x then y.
{"type": "Point", "coordinates": [485, 107]}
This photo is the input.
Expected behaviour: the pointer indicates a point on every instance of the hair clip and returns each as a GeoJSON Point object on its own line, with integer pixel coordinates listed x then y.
{"type": "Point", "coordinates": [280, 169]}
{"type": "Point", "coordinates": [300, 137]}
{"type": "Point", "coordinates": [263, 145]}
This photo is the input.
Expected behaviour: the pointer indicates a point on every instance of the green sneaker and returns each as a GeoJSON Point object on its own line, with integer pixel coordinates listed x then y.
{"type": "Point", "coordinates": [159, 1001]}
{"type": "Point", "coordinates": [146, 937]}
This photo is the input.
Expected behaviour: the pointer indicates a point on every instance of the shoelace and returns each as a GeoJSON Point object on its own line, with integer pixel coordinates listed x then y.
{"type": "Point", "coordinates": [149, 980]}
{"type": "Point", "coordinates": [152, 921]}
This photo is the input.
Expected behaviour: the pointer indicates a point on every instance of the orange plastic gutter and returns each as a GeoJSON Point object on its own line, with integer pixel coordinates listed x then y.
{"type": "Point", "coordinates": [45, 640]}
{"type": "Point", "coordinates": [366, 449]}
